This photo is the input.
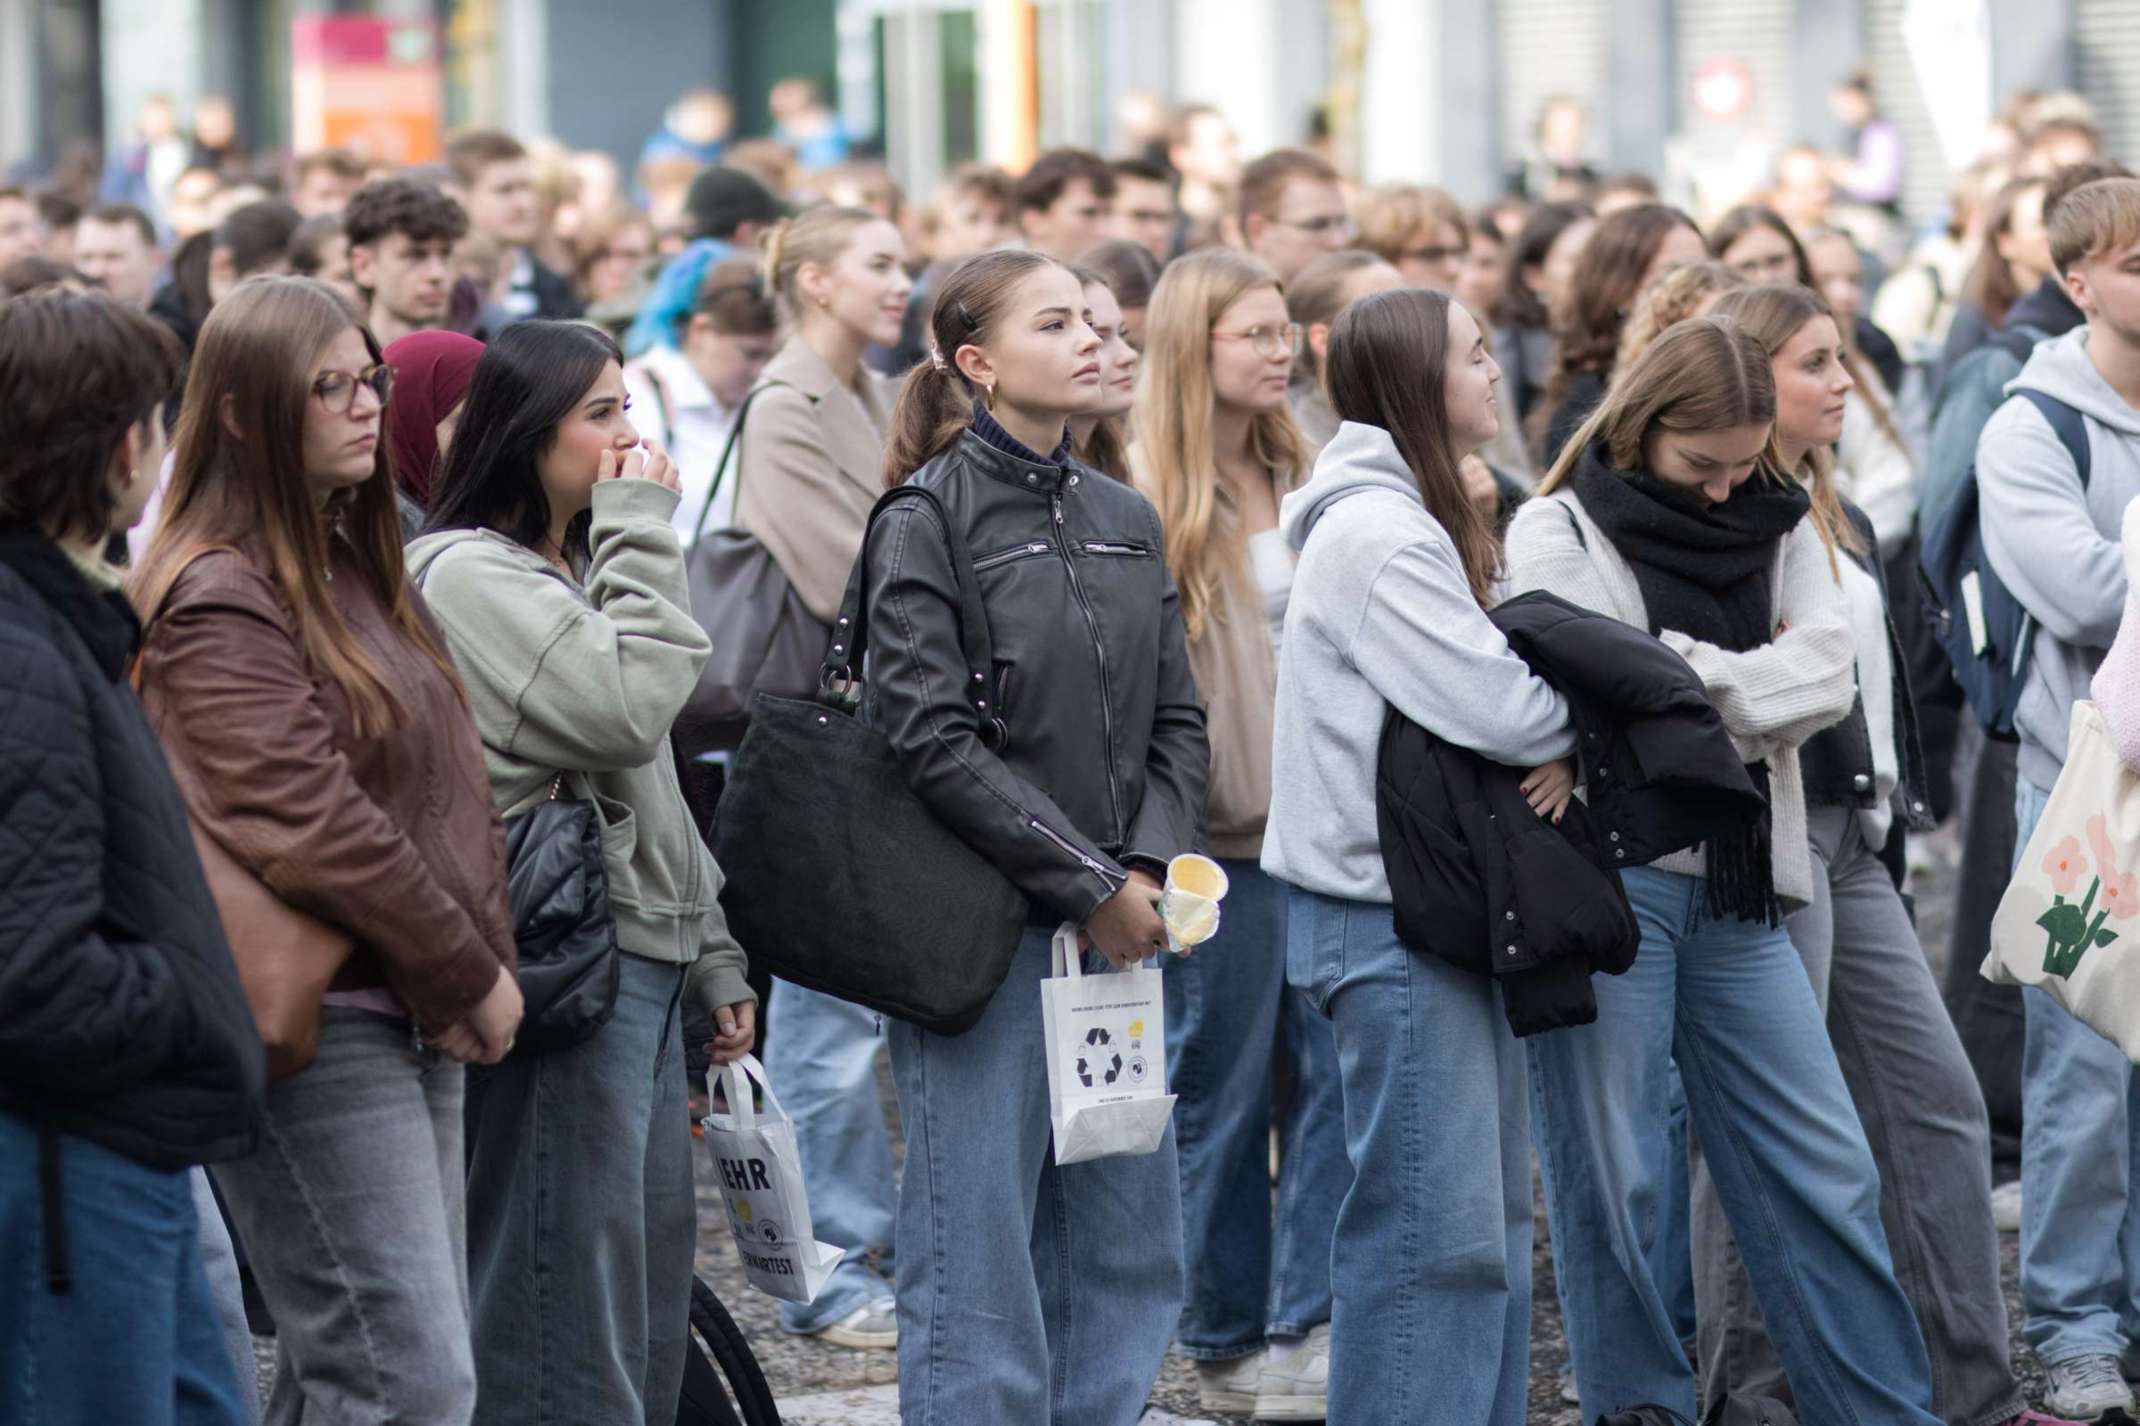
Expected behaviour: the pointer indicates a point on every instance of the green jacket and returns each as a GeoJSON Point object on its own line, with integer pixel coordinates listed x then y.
{"type": "Point", "coordinates": [585, 679]}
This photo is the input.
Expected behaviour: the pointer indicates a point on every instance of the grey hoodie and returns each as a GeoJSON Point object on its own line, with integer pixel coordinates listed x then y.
{"type": "Point", "coordinates": [2054, 545]}
{"type": "Point", "coordinates": [1381, 616]}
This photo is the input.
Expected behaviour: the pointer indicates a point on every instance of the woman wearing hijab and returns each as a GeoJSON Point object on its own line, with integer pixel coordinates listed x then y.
{"type": "Point", "coordinates": [431, 374]}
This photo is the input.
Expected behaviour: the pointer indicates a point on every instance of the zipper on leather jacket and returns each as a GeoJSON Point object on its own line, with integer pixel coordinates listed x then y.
{"type": "Point", "coordinates": [1027, 551]}
{"type": "Point", "coordinates": [1071, 848]}
{"type": "Point", "coordinates": [1099, 653]}
{"type": "Point", "coordinates": [1110, 547]}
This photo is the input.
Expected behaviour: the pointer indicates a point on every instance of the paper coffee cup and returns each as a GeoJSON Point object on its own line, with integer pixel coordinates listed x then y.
{"type": "Point", "coordinates": [1189, 905]}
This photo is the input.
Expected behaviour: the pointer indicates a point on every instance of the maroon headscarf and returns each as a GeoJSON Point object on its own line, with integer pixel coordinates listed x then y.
{"type": "Point", "coordinates": [431, 375]}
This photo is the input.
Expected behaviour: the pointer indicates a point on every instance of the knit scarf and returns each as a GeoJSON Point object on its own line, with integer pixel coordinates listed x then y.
{"type": "Point", "coordinates": [1706, 571]}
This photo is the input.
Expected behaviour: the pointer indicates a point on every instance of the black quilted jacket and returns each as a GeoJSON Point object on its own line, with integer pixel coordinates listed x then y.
{"type": "Point", "coordinates": [121, 1017]}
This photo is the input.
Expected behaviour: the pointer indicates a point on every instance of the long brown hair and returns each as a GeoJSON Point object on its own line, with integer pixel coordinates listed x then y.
{"type": "Point", "coordinates": [1106, 446]}
{"type": "Point", "coordinates": [936, 403]}
{"type": "Point", "coordinates": [1991, 286]}
{"type": "Point", "coordinates": [1774, 312]}
{"type": "Point", "coordinates": [1388, 358]}
{"type": "Point", "coordinates": [1705, 374]}
{"type": "Point", "coordinates": [1586, 330]}
{"type": "Point", "coordinates": [238, 480]}
{"type": "Point", "coordinates": [1177, 459]}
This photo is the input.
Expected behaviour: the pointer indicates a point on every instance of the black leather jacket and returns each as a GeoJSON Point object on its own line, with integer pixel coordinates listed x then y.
{"type": "Point", "coordinates": [1101, 760]}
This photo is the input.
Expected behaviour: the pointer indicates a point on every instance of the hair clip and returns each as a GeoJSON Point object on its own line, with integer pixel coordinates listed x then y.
{"type": "Point", "coordinates": [959, 306]}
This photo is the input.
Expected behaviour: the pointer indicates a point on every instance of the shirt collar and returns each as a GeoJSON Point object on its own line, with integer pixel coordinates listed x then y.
{"type": "Point", "coordinates": [989, 429]}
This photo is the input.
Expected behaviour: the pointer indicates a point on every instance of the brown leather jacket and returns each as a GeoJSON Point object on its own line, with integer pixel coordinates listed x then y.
{"type": "Point", "coordinates": [392, 838]}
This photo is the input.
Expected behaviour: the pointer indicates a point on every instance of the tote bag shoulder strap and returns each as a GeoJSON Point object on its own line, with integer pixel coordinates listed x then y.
{"type": "Point", "coordinates": [850, 632]}
{"type": "Point", "coordinates": [728, 453]}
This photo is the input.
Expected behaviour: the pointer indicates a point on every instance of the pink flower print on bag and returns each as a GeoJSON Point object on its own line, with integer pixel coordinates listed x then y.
{"type": "Point", "coordinates": [2071, 931]}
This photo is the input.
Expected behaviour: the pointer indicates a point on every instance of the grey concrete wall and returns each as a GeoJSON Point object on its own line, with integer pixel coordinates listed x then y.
{"type": "Point", "coordinates": [614, 65]}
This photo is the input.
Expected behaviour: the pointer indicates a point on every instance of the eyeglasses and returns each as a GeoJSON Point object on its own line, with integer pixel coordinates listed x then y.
{"type": "Point", "coordinates": [1271, 342]}
{"type": "Point", "coordinates": [1436, 256]}
{"type": "Point", "coordinates": [1323, 223]}
{"type": "Point", "coordinates": [337, 390]}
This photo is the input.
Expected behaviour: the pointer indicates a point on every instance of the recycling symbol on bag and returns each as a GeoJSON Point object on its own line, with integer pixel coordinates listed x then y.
{"type": "Point", "coordinates": [1089, 1062]}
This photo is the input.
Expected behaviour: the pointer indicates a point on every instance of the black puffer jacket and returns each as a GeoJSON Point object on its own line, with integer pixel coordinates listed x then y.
{"type": "Point", "coordinates": [1101, 761]}
{"type": "Point", "coordinates": [121, 1017]}
{"type": "Point", "coordinates": [1479, 880]}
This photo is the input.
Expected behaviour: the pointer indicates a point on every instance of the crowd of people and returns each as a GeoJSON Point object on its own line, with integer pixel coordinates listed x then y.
{"type": "Point", "coordinates": [1522, 604]}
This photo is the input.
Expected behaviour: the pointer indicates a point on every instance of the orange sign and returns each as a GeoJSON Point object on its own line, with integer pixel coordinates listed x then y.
{"type": "Point", "coordinates": [369, 85]}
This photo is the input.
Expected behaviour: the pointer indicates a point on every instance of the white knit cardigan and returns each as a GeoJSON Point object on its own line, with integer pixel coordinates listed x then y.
{"type": "Point", "coordinates": [1771, 698]}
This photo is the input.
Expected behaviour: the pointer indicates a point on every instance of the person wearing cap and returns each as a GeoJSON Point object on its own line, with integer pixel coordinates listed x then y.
{"type": "Point", "coordinates": [730, 211]}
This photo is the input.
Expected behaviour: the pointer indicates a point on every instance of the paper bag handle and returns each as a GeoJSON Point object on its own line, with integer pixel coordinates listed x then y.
{"type": "Point", "coordinates": [1069, 960]}
{"type": "Point", "coordinates": [738, 1076]}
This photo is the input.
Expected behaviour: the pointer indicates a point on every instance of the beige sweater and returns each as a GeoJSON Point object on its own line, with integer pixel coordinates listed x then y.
{"type": "Point", "coordinates": [1771, 698]}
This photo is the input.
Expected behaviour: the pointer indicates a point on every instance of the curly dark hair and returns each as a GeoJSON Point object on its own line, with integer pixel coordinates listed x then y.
{"type": "Point", "coordinates": [401, 205]}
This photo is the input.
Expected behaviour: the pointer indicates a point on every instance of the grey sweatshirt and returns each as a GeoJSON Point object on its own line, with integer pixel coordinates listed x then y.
{"type": "Point", "coordinates": [2054, 545]}
{"type": "Point", "coordinates": [1381, 616]}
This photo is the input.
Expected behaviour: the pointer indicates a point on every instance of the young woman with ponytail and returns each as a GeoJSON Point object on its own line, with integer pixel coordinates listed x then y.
{"type": "Point", "coordinates": [1030, 1291]}
{"type": "Point", "coordinates": [1100, 438]}
{"type": "Point", "coordinates": [809, 465]}
{"type": "Point", "coordinates": [1216, 451]}
{"type": "Point", "coordinates": [1665, 512]}
{"type": "Point", "coordinates": [1397, 566]}
{"type": "Point", "coordinates": [1908, 1076]}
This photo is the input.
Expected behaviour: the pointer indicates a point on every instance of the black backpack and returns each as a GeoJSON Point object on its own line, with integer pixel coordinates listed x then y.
{"type": "Point", "coordinates": [1986, 633]}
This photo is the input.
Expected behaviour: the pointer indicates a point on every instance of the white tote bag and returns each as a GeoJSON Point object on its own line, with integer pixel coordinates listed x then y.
{"type": "Point", "coordinates": [2069, 923]}
{"type": "Point", "coordinates": [1107, 1057]}
{"type": "Point", "coordinates": [762, 1183]}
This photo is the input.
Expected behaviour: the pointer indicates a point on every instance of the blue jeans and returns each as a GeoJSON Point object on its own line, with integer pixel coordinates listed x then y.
{"type": "Point", "coordinates": [582, 1221]}
{"type": "Point", "coordinates": [821, 1056]}
{"type": "Point", "coordinates": [2080, 1134]}
{"type": "Point", "coordinates": [1432, 1265]}
{"type": "Point", "coordinates": [135, 1339]}
{"type": "Point", "coordinates": [1730, 1002]}
{"type": "Point", "coordinates": [1253, 1272]}
{"type": "Point", "coordinates": [1028, 1292]}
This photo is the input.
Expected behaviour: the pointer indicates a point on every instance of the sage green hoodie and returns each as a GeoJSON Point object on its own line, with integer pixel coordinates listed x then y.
{"type": "Point", "coordinates": [585, 679]}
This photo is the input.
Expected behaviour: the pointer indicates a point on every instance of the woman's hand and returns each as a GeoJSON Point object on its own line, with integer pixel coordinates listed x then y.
{"type": "Point", "coordinates": [495, 1018]}
{"type": "Point", "coordinates": [735, 1027]}
{"type": "Point", "coordinates": [646, 462]}
{"type": "Point", "coordinates": [1127, 928]}
{"type": "Point", "coordinates": [1548, 788]}
{"type": "Point", "coordinates": [1479, 485]}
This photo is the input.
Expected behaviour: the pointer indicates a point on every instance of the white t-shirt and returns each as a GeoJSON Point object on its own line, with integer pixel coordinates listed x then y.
{"type": "Point", "coordinates": [673, 407]}
{"type": "Point", "coordinates": [1270, 560]}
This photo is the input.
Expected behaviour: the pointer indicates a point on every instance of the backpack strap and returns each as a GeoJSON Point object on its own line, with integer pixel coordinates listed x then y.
{"type": "Point", "coordinates": [2066, 423]}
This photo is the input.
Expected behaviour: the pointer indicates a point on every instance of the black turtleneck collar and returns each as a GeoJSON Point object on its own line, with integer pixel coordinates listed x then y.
{"type": "Point", "coordinates": [990, 430]}
{"type": "Point", "coordinates": [103, 619]}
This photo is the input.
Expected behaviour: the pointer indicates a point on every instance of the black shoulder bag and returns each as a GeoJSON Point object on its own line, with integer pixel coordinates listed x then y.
{"type": "Point", "coordinates": [839, 877]}
{"type": "Point", "coordinates": [765, 640]}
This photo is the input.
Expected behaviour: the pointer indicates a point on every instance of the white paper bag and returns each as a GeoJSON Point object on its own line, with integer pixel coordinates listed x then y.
{"type": "Point", "coordinates": [1107, 1057]}
{"type": "Point", "coordinates": [762, 1183]}
{"type": "Point", "coordinates": [2069, 923]}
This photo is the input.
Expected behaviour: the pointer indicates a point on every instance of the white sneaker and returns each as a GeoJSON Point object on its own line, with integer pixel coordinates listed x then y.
{"type": "Point", "coordinates": [874, 1326]}
{"type": "Point", "coordinates": [2087, 1388]}
{"type": "Point", "coordinates": [2006, 1207]}
{"type": "Point", "coordinates": [1298, 1388]}
{"type": "Point", "coordinates": [1229, 1387]}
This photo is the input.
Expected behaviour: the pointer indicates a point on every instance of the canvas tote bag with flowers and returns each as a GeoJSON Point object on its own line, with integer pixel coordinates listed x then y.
{"type": "Point", "coordinates": [2069, 923]}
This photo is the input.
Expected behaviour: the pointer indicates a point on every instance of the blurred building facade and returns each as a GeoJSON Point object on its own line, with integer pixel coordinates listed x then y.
{"type": "Point", "coordinates": [1447, 91]}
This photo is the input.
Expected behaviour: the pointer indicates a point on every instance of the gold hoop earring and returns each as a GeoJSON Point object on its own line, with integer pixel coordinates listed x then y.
{"type": "Point", "coordinates": [988, 396]}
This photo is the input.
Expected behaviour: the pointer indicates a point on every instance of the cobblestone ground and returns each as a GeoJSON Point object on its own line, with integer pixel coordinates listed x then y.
{"type": "Point", "coordinates": [811, 1375]}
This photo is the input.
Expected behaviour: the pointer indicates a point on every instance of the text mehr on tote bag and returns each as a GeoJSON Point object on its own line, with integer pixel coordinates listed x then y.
{"type": "Point", "coordinates": [761, 1182]}
{"type": "Point", "coordinates": [2069, 923]}
{"type": "Point", "coordinates": [1107, 1057]}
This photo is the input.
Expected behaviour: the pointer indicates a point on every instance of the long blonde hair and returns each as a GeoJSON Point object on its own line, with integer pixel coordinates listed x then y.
{"type": "Point", "coordinates": [1172, 418]}
{"type": "Point", "coordinates": [817, 235]}
{"type": "Point", "coordinates": [1773, 313]}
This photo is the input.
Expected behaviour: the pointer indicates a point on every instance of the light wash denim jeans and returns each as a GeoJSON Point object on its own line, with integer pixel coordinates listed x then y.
{"type": "Point", "coordinates": [1432, 1266]}
{"type": "Point", "coordinates": [1028, 1292]}
{"type": "Point", "coordinates": [1924, 1120]}
{"type": "Point", "coordinates": [1254, 1271]}
{"type": "Point", "coordinates": [1730, 1002]}
{"type": "Point", "coordinates": [581, 1219]}
{"type": "Point", "coordinates": [134, 1340]}
{"type": "Point", "coordinates": [2080, 1134]}
{"type": "Point", "coordinates": [219, 1262]}
{"type": "Point", "coordinates": [821, 1056]}
{"type": "Point", "coordinates": [352, 1214]}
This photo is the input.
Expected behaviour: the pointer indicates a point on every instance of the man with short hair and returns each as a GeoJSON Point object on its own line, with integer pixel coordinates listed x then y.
{"type": "Point", "coordinates": [251, 240]}
{"type": "Point", "coordinates": [2052, 533]}
{"type": "Point", "coordinates": [321, 182]}
{"type": "Point", "coordinates": [22, 233]}
{"type": "Point", "coordinates": [1293, 210]}
{"type": "Point", "coordinates": [1143, 211]}
{"type": "Point", "coordinates": [115, 247]}
{"type": "Point", "coordinates": [497, 180]}
{"type": "Point", "coordinates": [1062, 202]}
{"type": "Point", "coordinates": [401, 237]}
{"type": "Point", "coordinates": [61, 215]}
